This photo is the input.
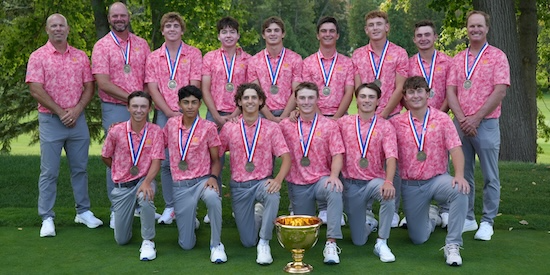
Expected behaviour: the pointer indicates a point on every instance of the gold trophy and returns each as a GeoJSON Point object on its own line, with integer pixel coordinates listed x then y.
{"type": "Point", "coordinates": [297, 234]}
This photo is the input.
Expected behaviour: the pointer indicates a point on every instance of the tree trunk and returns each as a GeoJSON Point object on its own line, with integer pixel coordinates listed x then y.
{"type": "Point", "coordinates": [519, 109]}
{"type": "Point", "coordinates": [100, 18]}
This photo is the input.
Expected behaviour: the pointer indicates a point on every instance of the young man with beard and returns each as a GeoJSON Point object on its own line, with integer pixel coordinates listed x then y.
{"type": "Point", "coordinates": [253, 142]}
{"type": "Point", "coordinates": [170, 67]}
{"type": "Point", "coordinates": [193, 146]}
{"type": "Point", "coordinates": [118, 65]}
{"type": "Point", "coordinates": [133, 150]}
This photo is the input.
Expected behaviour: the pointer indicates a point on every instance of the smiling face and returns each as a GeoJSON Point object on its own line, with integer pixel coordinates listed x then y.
{"type": "Point", "coordinates": [328, 35]}
{"type": "Point", "coordinates": [424, 38]}
{"type": "Point", "coordinates": [229, 37]}
{"type": "Point", "coordinates": [57, 28]}
{"type": "Point", "coordinates": [477, 28]}
{"type": "Point", "coordinates": [306, 100]}
{"type": "Point", "coordinates": [172, 31]}
{"type": "Point", "coordinates": [367, 100]}
{"type": "Point", "coordinates": [273, 35]}
{"type": "Point", "coordinates": [416, 98]}
{"type": "Point", "coordinates": [377, 28]}
{"type": "Point", "coordinates": [119, 18]}
{"type": "Point", "coordinates": [250, 101]}
{"type": "Point", "coordinates": [139, 108]}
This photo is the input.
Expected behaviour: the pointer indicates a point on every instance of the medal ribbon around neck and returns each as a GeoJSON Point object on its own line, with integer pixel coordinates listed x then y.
{"type": "Point", "coordinates": [470, 71]}
{"type": "Point", "coordinates": [274, 75]}
{"type": "Point", "coordinates": [250, 150]}
{"type": "Point", "coordinates": [307, 144]}
{"type": "Point", "coordinates": [173, 67]}
{"type": "Point", "coordinates": [429, 78]}
{"type": "Point", "coordinates": [419, 140]}
{"type": "Point", "coordinates": [378, 69]}
{"type": "Point", "coordinates": [185, 148]}
{"type": "Point", "coordinates": [327, 77]}
{"type": "Point", "coordinates": [364, 146]}
{"type": "Point", "coordinates": [125, 53]}
{"type": "Point", "coordinates": [136, 155]}
{"type": "Point", "coordinates": [228, 68]}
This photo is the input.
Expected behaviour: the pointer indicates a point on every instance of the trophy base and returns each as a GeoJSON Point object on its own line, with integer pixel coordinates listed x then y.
{"type": "Point", "coordinates": [297, 268]}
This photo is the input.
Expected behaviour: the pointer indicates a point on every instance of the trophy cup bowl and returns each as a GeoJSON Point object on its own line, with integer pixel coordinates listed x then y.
{"type": "Point", "coordinates": [297, 234]}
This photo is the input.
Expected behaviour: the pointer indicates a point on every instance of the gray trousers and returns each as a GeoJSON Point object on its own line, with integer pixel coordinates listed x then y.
{"type": "Point", "coordinates": [124, 202]}
{"type": "Point", "coordinates": [303, 203]}
{"type": "Point", "coordinates": [486, 144]}
{"type": "Point", "coordinates": [417, 196]}
{"type": "Point", "coordinates": [243, 196]}
{"type": "Point", "coordinates": [112, 113]}
{"type": "Point", "coordinates": [54, 136]}
{"type": "Point", "coordinates": [165, 173]}
{"type": "Point", "coordinates": [209, 117]}
{"type": "Point", "coordinates": [186, 197]}
{"type": "Point", "coordinates": [356, 195]}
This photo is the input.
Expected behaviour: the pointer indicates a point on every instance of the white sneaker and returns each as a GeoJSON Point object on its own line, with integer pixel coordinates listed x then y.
{"type": "Point", "coordinates": [395, 220]}
{"type": "Point", "coordinates": [444, 219]}
{"type": "Point", "coordinates": [258, 214]}
{"type": "Point", "coordinates": [147, 251]}
{"type": "Point", "coordinates": [452, 254]}
{"type": "Point", "coordinates": [88, 219]}
{"type": "Point", "coordinates": [433, 214]}
{"type": "Point", "coordinates": [371, 222]}
{"type": "Point", "coordinates": [197, 223]}
{"type": "Point", "coordinates": [112, 221]}
{"type": "Point", "coordinates": [323, 216]}
{"type": "Point", "coordinates": [403, 223]}
{"type": "Point", "coordinates": [264, 254]}
{"type": "Point", "coordinates": [382, 250]}
{"type": "Point", "coordinates": [217, 254]}
{"type": "Point", "coordinates": [342, 220]}
{"type": "Point", "coordinates": [330, 253]}
{"type": "Point", "coordinates": [469, 225]}
{"type": "Point", "coordinates": [206, 219]}
{"type": "Point", "coordinates": [485, 232]}
{"type": "Point", "coordinates": [167, 216]}
{"type": "Point", "coordinates": [48, 228]}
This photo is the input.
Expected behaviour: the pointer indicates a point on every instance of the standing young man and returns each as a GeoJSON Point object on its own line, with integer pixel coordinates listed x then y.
{"type": "Point", "coordinates": [425, 138]}
{"type": "Point", "coordinates": [60, 79]}
{"type": "Point", "coordinates": [118, 65]}
{"type": "Point", "coordinates": [223, 70]}
{"type": "Point", "coordinates": [317, 159]}
{"type": "Point", "coordinates": [385, 64]}
{"type": "Point", "coordinates": [277, 70]}
{"type": "Point", "coordinates": [370, 143]}
{"type": "Point", "coordinates": [170, 67]}
{"type": "Point", "coordinates": [480, 76]}
{"type": "Point", "coordinates": [253, 142]}
{"type": "Point", "coordinates": [194, 162]}
{"type": "Point", "coordinates": [133, 150]}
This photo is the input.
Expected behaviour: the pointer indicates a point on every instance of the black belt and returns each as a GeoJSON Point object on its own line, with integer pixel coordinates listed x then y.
{"type": "Point", "coordinates": [129, 184]}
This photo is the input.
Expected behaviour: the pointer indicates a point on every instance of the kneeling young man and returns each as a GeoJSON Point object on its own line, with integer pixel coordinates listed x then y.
{"type": "Point", "coordinates": [317, 158]}
{"type": "Point", "coordinates": [133, 150]}
{"type": "Point", "coordinates": [370, 143]}
{"type": "Point", "coordinates": [253, 142]}
{"type": "Point", "coordinates": [193, 144]}
{"type": "Point", "coordinates": [425, 137]}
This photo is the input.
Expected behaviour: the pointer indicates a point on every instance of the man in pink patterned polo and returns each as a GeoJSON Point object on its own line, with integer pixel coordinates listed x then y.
{"type": "Point", "coordinates": [168, 68]}
{"type": "Point", "coordinates": [118, 65]}
{"type": "Point", "coordinates": [60, 79]}
{"type": "Point", "coordinates": [480, 76]}
{"type": "Point", "coordinates": [253, 142]}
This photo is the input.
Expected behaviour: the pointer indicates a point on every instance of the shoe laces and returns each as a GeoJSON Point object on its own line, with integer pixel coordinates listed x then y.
{"type": "Point", "coordinates": [332, 248]}
{"type": "Point", "coordinates": [452, 248]}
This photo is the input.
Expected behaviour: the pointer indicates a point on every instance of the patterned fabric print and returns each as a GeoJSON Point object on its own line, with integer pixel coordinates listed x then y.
{"type": "Point", "coordinates": [383, 145]}
{"type": "Point", "coordinates": [213, 66]}
{"type": "Point", "coordinates": [492, 69]}
{"type": "Point", "coordinates": [291, 71]}
{"type": "Point", "coordinates": [189, 68]}
{"type": "Point", "coordinates": [198, 154]}
{"type": "Point", "coordinates": [439, 83]}
{"type": "Point", "coordinates": [441, 136]}
{"type": "Point", "coordinates": [107, 59]}
{"type": "Point", "coordinates": [116, 147]}
{"type": "Point", "coordinates": [396, 62]}
{"type": "Point", "coordinates": [326, 143]}
{"type": "Point", "coordinates": [270, 143]}
{"type": "Point", "coordinates": [342, 76]}
{"type": "Point", "coordinates": [62, 74]}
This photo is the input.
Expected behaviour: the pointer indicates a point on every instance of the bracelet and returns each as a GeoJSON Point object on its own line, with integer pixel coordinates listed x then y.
{"type": "Point", "coordinates": [387, 181]}
{"type": "Point", "coordinates": [213, 176]}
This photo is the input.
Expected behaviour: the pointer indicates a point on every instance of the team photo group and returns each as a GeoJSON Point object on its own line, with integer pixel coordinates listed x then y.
{"type": "Point", "coordinates": [418, 118]}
